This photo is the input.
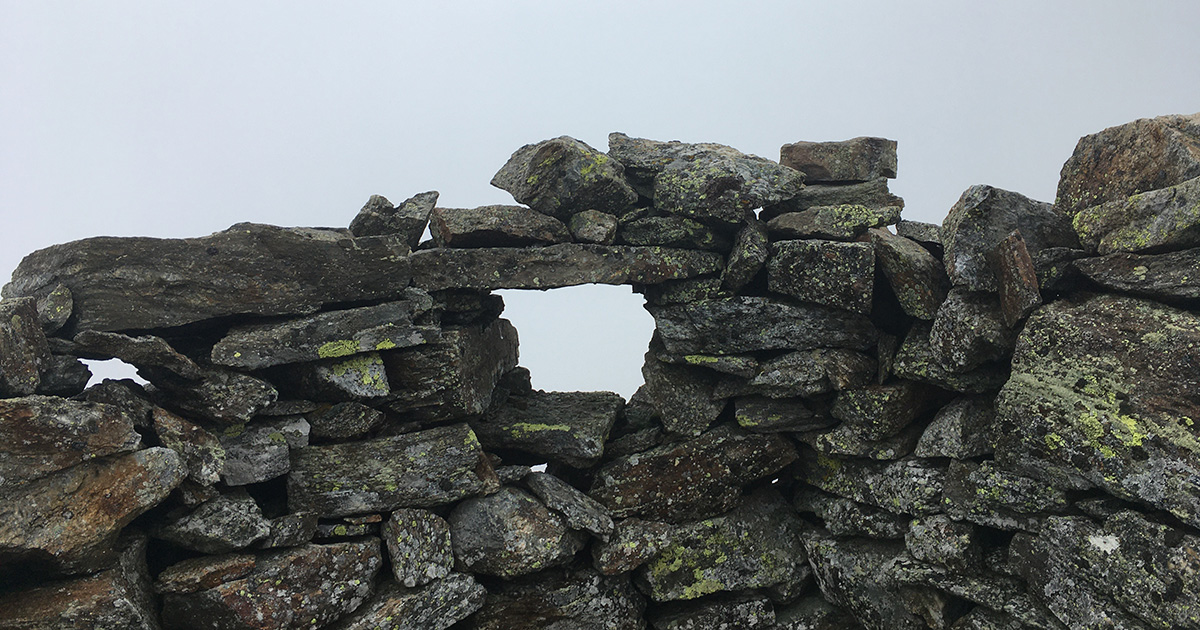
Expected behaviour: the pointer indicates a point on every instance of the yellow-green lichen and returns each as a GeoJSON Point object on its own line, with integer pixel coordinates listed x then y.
{"type": "Point", "coordinates": [339, 348]}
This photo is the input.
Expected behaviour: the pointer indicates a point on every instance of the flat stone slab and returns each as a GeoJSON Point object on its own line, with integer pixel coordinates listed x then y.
{"type": "Point", "coordinates": [1150, 222]}
{"type": "Point", "coordinates": [907, 486]}
{"type": "Point", "coordinates": [43, 434]}
{"type": "Point", "coordinates": [436, 606]}
{"type": "Point", "coordinates": [841, 275]}
{"type": "Point", "coordinates": [565, 427]}
{"type": "Point", "coordinates": [1165, 277]}
{"type": "Point", "coordinates": [495, 226]}
{"type": "Point", "coordinates": [856, 160]}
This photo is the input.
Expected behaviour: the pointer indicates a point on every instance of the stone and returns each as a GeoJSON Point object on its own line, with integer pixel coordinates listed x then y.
{"type": "Point", "coordinates": [302, 587]}
{"type": "Point", "coordinates": [1151, 222]}
{"type": "Point", "coordinates": [460, 307]}
{"type": "Point", "coordinates": [593, 226]}
{"type": "Point", "coordinates": [907, 486]}
{"type": "Point", "coordinates": [564, 427]}
{"type": "Point", "coordinates": [563, 176]}
{"type": "Point", "coordinates": [768, 415]}
{"type": "Point", "coordinates": [989, 495]}
{"type": "Point", "coordinates": [230, 522]}
{"type": "Point", "coordinates": [997, 592]}
{"type": "Point", "coordinates": [917, 361]}
{"type": "Point", "coordinates": [1055, 272]}
{"type": "Point", "coordinates": [54, 309]}
{"type": "Point", "coordinates": [421, 469]}
{"type": "Point", "coordinates": [343, 421]}
{"type": "Point", "coordinates": [813, 613]}
{"type": "Point", "coordinates": [736, 612]}
{"type": "Point", "coordinates": [929, 235]}
{"type": "Point", "coordinates": [495, 226]}
{"type": "Point", "coordinates": [682, 396]}
{"type": "Point", "coordinates": [689, 480]}
{"type": "Point", "coordinates": [981, 618]}
{"type": "Point", "coordinates": [407, 221]}
{"type": "Point", "coordinates": [1167, 277]}
{"type": "Point", "coordinates": [757, 545]}
{"type": "Point", "coordinates": [289, 530]}
{"type": "Point", "coordinates": [852, 574]}
{"type": "Point", "coordinates": [872, 194]}
{"type": "Point", "coordinates": [64, 376]}
{"type": "Point", "coordinates": [969, 331]}
{"type": "Point", "coordinates": [918, 280]}
{"type": "Point", "coordinates": [1102, 394]}
{"type": "Point", "coordinates": [846, 439]}
{"type": "Point", "coordinates": [342, 529]}
{"type": "Point", "coordinates": [1143, 155]}
{"type": "Point", "coordinates": [856, 160]}
{"type": "Point", "coordinates": [961, 430]}
{"type": "Point", "coordinates": [841, 275]}
{"type": "Point", "coordinates": [119, 597]}
{"type": "Point", "coordinates": [554, 266]}
{"type": "Point", "coordinates": [126, 395]}
{"type": "Point", "coordinates": [261, 450]}
{"type": "Point", "coordinates": [418, 543]}
{"type": "Point", "coordinates": [581, 512]}
{"type": "Point", "coordinates": [356, 378]}
{"type": "Point", "coordinates": [673, 231]}
{"type": "Point", "coordinates": [1016, 279]}
{"type": "Point", "coordinates": [951, 544]}
{"type": "Point", "coordinates": [751, 248]}
{"type": "Point", "coordinates": [510, 533]}
{"type": "Point", "coordinates": [205, 572]}
{"type": "Point", "coordinates": [880, 411]}
{"type": "Point", "coordinates": [742, 366]}
{"type": "Point", "coordinates": [40, 435]}
{"type": "Point", "coordinates": [134, 283]}
{"type": "Point", "coordinates": [982, 218]}
{"type": "Point", "coordinates": [632, 544]}
{"type": "Point", "coordinates": [143, 351]}
{"type": "Point", "coordinates": [844, 518]}
{"type": "Point", "coordinates": [201, 451]}
{"type": "Point", "coordinates": [67, 522]}
{"type": "Point", "coordinates": [436, 606]}
{"type": "Point", "coordinates": [222, 396]}
{"type": "Point", "coordinates": [842, 222]}
{"type": "Point", "coordinates": [328, 335]}
{"type": "Point", "coordinates": [563, 600]}
{"type": "Point", "coordinates": [807, 373]}
{"type": "Point", "coordinates": [684, 291]}
{"type": "Point", "coordinates": [23, 348]}
{"type": "Point", "coordinates": [748, 324]}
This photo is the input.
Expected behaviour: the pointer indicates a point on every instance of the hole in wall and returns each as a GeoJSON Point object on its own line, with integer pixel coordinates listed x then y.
{"type": "Point", "coordinates": [113, 368]}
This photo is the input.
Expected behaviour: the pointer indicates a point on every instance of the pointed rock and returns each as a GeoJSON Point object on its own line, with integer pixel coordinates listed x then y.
{"type": "Point", "coordinates": [54, 309]}
{"type": "Point", "coordinates": [581, 512]}
{"type": "Point", "coordinates": [673, 231]}
{"type": "Point", "coordinates": [260, 451]}
{"type": "Point", "coordinates": [852, 574]}
{"type": "Point", "coordinates": [917, 361]}
{"type": "Point", "coordinates": [407, 221]}
{"type": "Point", "coordinates": [682, 395]}
{"type": "Point", "coordinates": [960, 430]}
{"type": "Point", "coordinates": [343, 421]}
{"type": "Point", "coordinates": [1016, 279]}
{"type": "Point", "coordinates": [918, 280]}
{"type": "Point", "coordinates": [843, 222]}
{"type": "Point", "coordinates": [200, 450]}
{"type": "Point", "coordinates": [879, 411]}
{"type": "Point", "coordinates": [807, 373]}
{"type": "Point", "coordinates": [229, 522]}
{"type": "Point", "coordinates": [969, 331]}
{"type": "Point", "coordinates": [767, 415]}
{"type": "Point", "coordinates": [141, 351]}
{"type": "Point", "coordinates": [223, 396]}
{"type": "Point", "coordinates": [751, 248]}
{"type": "Point", "coordinates": [563, 176]}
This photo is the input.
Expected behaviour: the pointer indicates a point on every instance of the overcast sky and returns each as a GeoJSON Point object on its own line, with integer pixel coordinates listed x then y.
{"type": "Point", "coordinates": [180, 119]}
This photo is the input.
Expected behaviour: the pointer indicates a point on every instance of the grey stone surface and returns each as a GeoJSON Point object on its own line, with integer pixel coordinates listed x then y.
{"type": "Point", "coordinates": [230, 522]}
{"type": "Point", "coordinates": [141, 351]}
{"type": "Point", "coordinates": [633, 542]}
{"type": "Point", "coordinates": [566, 427]}
{"type": "Point", "coordinates": [42, 434]}
{"type": "Point", "coordinates": [54, 309]}
{"type": "Point", "coordinates": [1169, 277]}
{"type": "Point", "coordinates": [992, 496]}
{"type": "Point", "coordinates": [1016, 279]}
{"type": "Point", "coordinates": [841, 275]}
{"type": "Point", "coordinates": [683, 395]}
{"type": "Point", "coordinates": [856, 160]}
{"type": "Point", "coordinates": [969, 331]}
{"type": "Point", "coordinates": [510, 533]}
{"type": "Point", "coordinates": [1151, 222]}
{"type": "Point", "coordinates": [673, 231]}
{"type": "Point", "coordinates": [563, 600]}
{"type": "Point", "coordinates": [261, 450]}
{"type": "Point", "coordinates": [356, 378]}
{"type": "Point", "coordinates": [907, 486]}
{"type": "Point", "coordinates": [915, 360]}
{"type": "Point", "coordinates": [812, 372]}
{"type": "Point", "coordinates": [563, 176]}
{"type": "Point", "coordinates": [593, 226]}
{"type": "Point", "coordinates": [843, 517]}
{"type": "Point", "coordinates": [766, 415]}
{"type": "Point", "coordinates": [407, 221]}
{"type": "Point", "coordinates": [581, 512]}
{"type": "Point", "coordinates": [222, 396]}
{"type": "Point", "coordinates": [852, 574]}
{"type": "Point", "coordinates": [201, 451]}
{"type": "Point", "coordinates": [872, 194]}
{"type": "Point", "coordinates": [737, 612]}
{"type": "Point", "coordinates": [961, 430]}
{"type": "Point", "coordinates": [918, 280]}
{"type": "Point", "coordinates": [880, 411]}
{"type": "Point", "coordinates": [436, 606]}
{"type": "Point", "coordinates": [495, 226]}
{"type": "Point", "coordinates": [951, 544]}
{"type": "Point", "coordinates": [842, 222]}
{"type": "Point", "coordinates": [418, 543]}
{"type": "Point", "coordinates": [23, 347]}
{"type": "Point", "coordinates": [751, 248]}
{"type": "Point", "coordinates": [343, 421]}
{"type": "Point", "coordinates": [204, 572]}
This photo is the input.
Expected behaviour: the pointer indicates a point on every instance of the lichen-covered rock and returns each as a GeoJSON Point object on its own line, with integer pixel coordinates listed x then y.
{"type": "Point", "coordinates": [768, 415]}
{"type": "Point", "coordinates": [807, 373]}
{"type": "Point", "coordinates": [872, 194]}
{"type": "Point", "coordinates": [917, 279]}
{"type": "Point", "coordinates": [562, 600]}
{"type": "Point", "coordinates": [201, 451]}
{"type": "Point", "coordinates": [495, 226]}
{"type": "Point", "coordinates": [593, 226]}
{"type": "Point", "coordinates": [421, 469]}
{"type": "Point", "coordinates": [563, 176]}
{"type": "Point", "coordinates": [261, 450]}
{"type": "Point", "coordinates": [343, 421]}
{"type": "Point", "coordinates": [54, 309]}
{"type": "Point", "coordinates": [407, 220]}
{"type": "Point", "coordinates": [418, 542]}
{"type": "Point", "coordinates": [989, 495]}
{"type": "Point", "coordinates": [582, 513]}
{"type": "Point", "coordinates": [960, 430]}
{"type": "Point", "coordinates": [223, 396]}
{"type": "Point", "coordinates": [1150, 222]}
{"type": "Point", "coordinates": [126, 395]}
{"type": "Point", "coordinates": [360, 377]}
{"type": "Point", "coordinates": [751, 248]}
{"type": "Point", "coordinates": [682, 395]}
{"type": "Point", "coordinates": [43, 434]}
{"type": "Point", "coordinates": [566, 427]}
{"type": "Point", "coordinates": [141, 351]}
{"type": "Point", "coordinates": [303, 587]}
{"type": "Point", "coordinates": [229, 522]}
{"type": "Point", "coordinates": [204, 572]}
{"type": "Point", "coordinates": [1016, 279]}
{"type": "Point", "coordinates": [63, 375]}
{"type": "Point", "coordinates": [880, 411]}
{"type": "Point", "coordinates": [954, 545]}
{"type": "Point", "coordinates": [929, 235]}
{"type": "Point", "coordinates": [727, 612]}
{"type": "Point", "coordinates": [742, 366]}
{"type": "Point", "coordinates": [631, 545]}
{"type": "Point", "coordinates": [916, 360]}
{"type": "Point", "coordinates": [436, 606]}
{"type": "Point", "coordinates": [673, 231]}
{"type": "Point", "coordinates": [843, 222]}
{"type": "Point", "coordinates": [997, 592]}
{"type": "Point", "coordinates": [1146, 154]}
{"type": "Point", "coordinates": [813, 613]}
{"type": "Point", "coordinates": [23, 347]}
{"type": "Point", "coordinates": [684, 291]}
{"type": "Point", "coordinates": [843, 517]}
{"type": "Point", "coordinates": [1164, 277]}
{"type": "Point", "coordinates": [841, 275]}
{"type": "Point", "coordinates": [969, 331]}
{"type": "Point", "coordinates": [907, 486]}
{"type": "Point", "coordinates": [856, 160]}
{"type": "Point", "coordinates": [845, 439]}
{"type": "Point", "coordinates": [1103, 393]}
{"type": "Point", "coordinates": [68, 521]}
{"type": "Point", "coordinates": [289, 530]}
{"type": "Point", "coordinates": [510, 533]}
{"type": "Point", "coordinates": [852, 574]}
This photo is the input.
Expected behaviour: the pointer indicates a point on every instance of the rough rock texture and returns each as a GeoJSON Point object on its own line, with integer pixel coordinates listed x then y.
{"type": "Point", "coordinates": [632, 543]}
{"type": "Point", "coordinates": [1164, 277]}
{"type": "Point", "coordinates": [510, 533]}
{"type": "Point", "coordinates": [593, 226]}
{"type": "Point", "coordinates": [582, 513]}
{"type": "Point", "coordinates": [857, 160]}
{"type": "Point", "coordinates": [418, 543]}
{"type": "Point", "coordinates": [918, 279]}
{"type": "Point", "coordinates": [843, 222]}
{"type": "Point", "coordinates": [907, 486]}
{"type": "Point", "coordinates": [43, 434]}
{"type": "Point", "coordinates": [222, 396]}
{"type": "Point", "coordinates": [563, 176]}
{"type": "Point", "coordinates": [408, 220]}
{"type": "Point", "coordinates": [23, 347]}
{"type": "Point", "coordinates": [872, 194]}
{"type": "Point", "coordinates": [969, 331]}
{"type": "Point", "coordinates": [682, 395]}
{"type": "Point", "coordinates": [673, 231]}
{"type": "Point", "coordinates": [495, 226]}
{"type": "Point", "coordinates": [229, 522]}
{"type": "Point", "coordinates": [261, 450]}
{"type": "Point", "coordinates": [562, 600]}
{"type": "Point", "coordinates": [1016, 279]}
{"type": "Point", "coordinates": [201, 451]}
{"type": "Point", "coordinates": [735, 612]}
{"type": "Point", "coordinates": [751, 248]}
{"type": "Point", "coordinates": [436, 606]}
{"type": "Point", "coordinates": [566, 427]}
{"type": "Point", "coordinates": [841, 275]}
{"type": "Point", "coordinates": [1151, 222]}
{"type": "Point", "coordinates": [851, 574]}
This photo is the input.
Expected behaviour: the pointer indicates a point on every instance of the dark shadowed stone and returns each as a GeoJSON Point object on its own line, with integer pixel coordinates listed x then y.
{"type": "Point", "coordinates": [581, 512]}
{"type": "Point", "coordinates": [63, 375]}
{"type": "Point", "coordinates": [1146, 154]}
{"type": "Point", "coordinates": [983, 217]}
{"type": "Point", "coordinates": [23, 347]}
{"type": "Point", "coordinates": [981, 618]}
{"type": "Point", "coordinates": [418, 542]}
{"type": "Point", "coordinates": [751, 248]}
{"type": "Point", "coordinates": [917, 279]}
{"type": "Point", "coordinates": [846, 439]}
{"type": "Point", "coordinates": [1151, 222]}
{"type": "Point", "coordinates": [290, 530]}
{"type": "Point", "coordinates": [724, 612]}
{"type": "Point", "coordinates": [989, 495]}
{"type": "Point", "coordinates": [916, 360]}
{"type": "Point", "coordinates": [304, 587]}
{"type": "Point", "coordinates": [54, 309]}
{"type": "Point", "coordinates": [937, 539]}
{"type": "Point", "coordinates": [1016, 279]}
{"type": "Point", "coordinates": [843, 517]}
{"type": "Point", "coordinates": [420, 469]}
{"type": "Point", "coordinates": [852, 573]}
{"type": "Point", "coordinates": [328, 335]}
{"type": "Point", "coordinates": [961, 430]}
{"type": "Point", "coordinates": [566, 427]}
{"type": "Point", "coordinates": [359, 377]}
{"type": "Point", "coordinates": [684, 291]}
{"type": "Point", "coordinates": [495, 226]}
{"type": "Point", "coordinates": [126, 395]}
{"type": "Point", "coordinates": [631, 545]}
{"type": "Point", "coordinates": [563, 176]}
{"type": "Point", "coordinates": [460, 307]}
{"type": "Point", "coordinates": [879, 411]}
{"type": "Point", "coordinates": [998, 592]}
{"type": "Point", "coordinates": [260, 451]}
{"type": "Point", "coordinates": [908, 486]}
{"type": "Point", "coordinates": [872, 194]}
{"type": "Point", "coordinates": [813, 613]}
{"type": "Point", "coordinates": [342, 529]}
{"type": "Point", "coordinates": [407, 221]}
{"type": "Point", "coordinates": [223, 396]}
{"type": "Point", "coordinates": [747, 324]}
{"type": "Point", "coordinates": [855, 160]}
{"type": "Point", "coordinates": [835, 274]}
{"type": "Point", "coordinates": [1055, 272]}
{"type": "Point", "coordinates": [673, 231]}
{"type": "Point", "coordinates": [682, 395]}
{"type": "Point", "coordinates": [119, 597]}
{"type": "Point", "coordinates": [1163, 277]}
{"type": "Point", "coordinates": [510, 533]}
{"type": "Point", "coordinates": [576, 599]}
{"type": "Point", "coordinates": [593, 226]}
{"type": "Point", "coordinates": [143, 351]}
{"type": "Point", "coordinates": [929, 235]}
{"type": "Point", "coordinates": [343, 421]}
{"type": "Point", "coordinates": [229, 522]}
{"type": "Point", "coordinates": [1103, 393]}
{"type": "Point", "coordinates": [249, 269]}
{"type": "Point", "coordinates": [807, 373]}
{"type": "Point", "coordinates": [742, 366]}
{"type": "Point", "coordinates": [969, 331]}
{"type": "Point", "coordinates": [767, 415]}
{"type": "Point", "coordinates": [203, 573]}
{"type": "Point", "coordinates": [694, 479]}
{"type": "Point", "coordinates": [564, 265]}
{"type": "Point", "coordinates": [201, 451]}
{"type": "Point", "coordinates": [844, 222]}
{"type": "Point", "coordinates": [436, 606]}
{"type": "Point", "coordinates": [757, 545]}
{"type": "Point", "coordinates": [42, 434]}
{"type": "Point", "coordinates": [68, 521]}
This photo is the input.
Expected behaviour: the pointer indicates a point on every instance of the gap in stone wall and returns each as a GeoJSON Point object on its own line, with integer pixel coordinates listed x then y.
{"type": "Point", "coordinates": [115, 369]}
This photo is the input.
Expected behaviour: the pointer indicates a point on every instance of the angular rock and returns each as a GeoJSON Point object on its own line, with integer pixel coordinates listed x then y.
{"type": "Point", "coordinates": [960, 430]}
{"type": "Point", "coordinates": [203, 573]}
{"type": "Point", "coordinates": [261, 451]}
{"type": "Point", "coordinates": [360, 377]}
{"type": "Point", "coordinates": [846, 439]}
{"type": "Point", "coordinates": [328, 335]}
{"type": "Point", "coordinates": [1016, 279]}
{"type": "Point", "coordinates": [751, 248]}
{"type": "Point", "coordinates": [249, 269]}
{"type": "Point", "coordinates": [917, 361]}
{"type": "Point", "coordinates": [223, 396]}
{"type": "Point", "coordinates": [872, 194]}
{"type": "Point", "coordinates": [684, 291]}
{"type": "Point", "coordinates": [737, 365]}
{"type": "Point", "coordinates": [1103, 393]}
{"type": "Point", "coordinates": [856, 160]}
{"type": "Point", "coordinates": [201, 451]}
{"type": "Point", "coordinates": [54, 309]}
{"type": "Point", "coordinates": [1055, 272]}
{"type": "Point", "coordinates": [141, 351]}
{"type": "Point", "coordinates": [1151, 222]}
{"type": "Point", "coordinates": [593, 226]}
{"type": "Point", "coordinates": [510, 533]}
{"type": "Point", "coordinates": [907, 486]}
{"type": "Point", "coordinates": [929, 235]}
{"type": "Point", "coordinates": [343, 421]}
{"type": "Point", "coordinates": [565, 427]}
{"type": "Point", "coordinates": [232, 521]}
{"type": "Point", "coordinates": [68, 521]}
{"type": "Point", "coordinates": [989, 495]}
{"type": "Point", "coordinates": [843, 517]}
{"type": "Point", "coordinates": [735, 612]}
{"type": "Point", "coordinates": [563, 176]}
{"type": "Point", "coordinates": [421, 469]}
{"type": "Point", "coordinates": [290, 530]}
{"type": "Point", "coordinates": [879, 411]}
{"type": "Point", "coordinates": [682, 395]}
{"type": "Point", "coordinates": [1146, 154]}
{"type": "Point", "coordinates": [981, 618]}
{"type": "Point", "coordinates": [998, 592]}
{"type": "Point", "coordinates": [581, 512]}
{"type": "Point", "coordinates": [811, 372]}
{"type": "Point", "coordinates": [843, 222]}
{"type": "Point", "coordinates": [841, 275]}
{"type": "Point", "coordinates": [767, 415]}
{"type": "Point", "coordinates": [632, 544]}
{"type": "Point", "coordinates": [418, 542]}
{"type": "Point", "coordinates": [969, 331]}
{"type": "Point", "coordinates": [917, 279]}
{"type": "Point", "coordinates": [63, 376]}
{"type": "Point", "coordinates": [937, 539]}
{"type": "Point", "coordinates": [694, 479]}
{"type": "Point", "coordinates": [343, 529]}
{"type": "Point", "coordinates": [304, 587]}
{"type": "Point", "coordinates": [126, 395]}
{"type": "Point", "coordinates": [407, 221]}
{"type": "Point", "coordinates": [813, 613]}
{"type": "Point", "coordinates": [1164, 277]}
{"type": "Point", "coordinates": [673, 231]}
{"type": "Point", "coordinates": [495, 226]}
{"type": "Point", "coordinates": [563, 600]}
{"type": "Point", "coordinates": [852, 574]}
{"type": "Point", "coordinates": [748, 324]}
{"type": "Point", "coordinates": [23, 347]}
{"type": "Point", "coordinates": [437, 606]}
{"type": "Point", "coordinates": [40, 435]}
{"type": "Point", "coordinates": [985, 216]}
{"type": "Point", "coordinates": [564, 265]}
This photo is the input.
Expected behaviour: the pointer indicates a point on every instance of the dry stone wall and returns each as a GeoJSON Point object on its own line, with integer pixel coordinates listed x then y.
{"type": "Point", "coordinates": [848, 420]}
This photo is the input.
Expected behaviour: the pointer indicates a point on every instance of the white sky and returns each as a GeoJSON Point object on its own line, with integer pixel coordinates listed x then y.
{"type": "Point", "coordinates": [179, 119]}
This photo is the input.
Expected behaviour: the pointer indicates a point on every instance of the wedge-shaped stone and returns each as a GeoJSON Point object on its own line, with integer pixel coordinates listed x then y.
{"type": "Point", "coordinates": [418, 543]}
{"type": "Point", "coordinates": [992, 496]}
{"type": "Point", "coordinates": [407, 220]}
{"type": "Point", "coordinates": [751, 248]}
{"type": "Point", "coordinates": [812, 612]}
{"type": "Point", "coordinates": [767, 415]}
{"type": "Point", "coordinates": [202, 452]}
{"type": "Point", "coordinates": [43, 434]}
{"type": "Point", "coordinates": [222, 396]}
{"type": "Point", "coordinates": [969, 331]}
{"type": "Point", "coordinates": [1163, 277]}
{"type": "Point", "coordinates": [54, 309]}
{"type": "Point", "coordinates": [421, 469]}
{"type": "Point", "coordinates": [1150, 222]}
{"type": "Point", "coordinates": [436, 606]}
{"type": "Point", "coordinates": [683, 395]}
{"type": "Point", "coordinates": [960, 430]}
{"type": "Point", "coordinates": [872, 194]}
{"type": "Point", "coordinates": [673, 231]}
{"type": "Point", "coordinates": [204, 572]}
{"type": "Point", "coordinates": [581, 512]}
{"type": "Point", "coordinates": [495, 226]}
{"type": "Point", "coordinates": [844, 518]}
{"type": "Point", "coordinates": [907, 486]}
{"type": "Point", "coordinates": [807, 373]}
{"type": "Point", "coordinates": [563, 176]}
{"type": "Point", "coordinates": [916, 361]}
{"type": "Point", "coordinates": [593, 226]}
{"type": "Point", "coordinates": [68, 521]}
{"type": "Point", "coordinates": [1103, 393]}
{"type": "Point", "coordinates": [847, 440]}
{"type": "Point", "coordinates": [231, 521]}
{"type": "Point", "coordinates": [879, 411]}
{"type": "Point", "coordinates": [856, 160]}
{"type": "Point", "coordinates": [843, 222]}
{"type": "Point", "coordinates": [951, 544]}
{"type": "Point", "coordinates": [633, 542]}
{"type": "Point", "coordinates": [141, 351]}
{"type": "Point", "coordinates": [359, 377]}
{"type": "Point", "coordinates": [260, 451]}
{"type": "Point", "coordinates": [564, 265]}
{"type": "Point", "coordinates": [917, 279]}
{"type": "Point", "coordinates": [577, 598]}
{"type": "Point", "coordinates": [564, 427]}
{"type": "Point", "coordinates": [510, 533]}
{"type": "Point", "coordinates": [343, 421]}
{"type": "Point", "coordinates": [249, 269]}
{"type": "Point", "coordinates": [841, 275]}
{"type": "Point", "coordinates": [23, 347]}
{"type": "Point", "coordinates": [1016, 279]}
{"type": "Point", "coordinates": [852, 573]}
